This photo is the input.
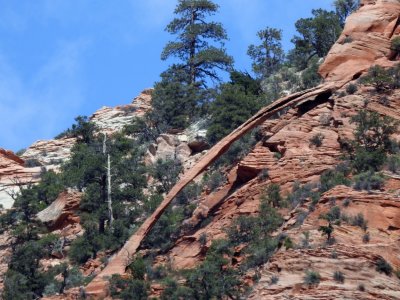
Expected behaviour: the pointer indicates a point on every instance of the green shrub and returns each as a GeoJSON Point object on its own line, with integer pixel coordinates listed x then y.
{"type": "Point", "coordinates": [300, 194]}
{"type": "Point", "coordinates": [347, 40]}
{"type": "Point", "coordinates": [166, 230]}
{"type": "Point", "coordinates": [366, 238]}
{"type": "Point", "coordinates": [384, 100]}
{"type": "Point", "coordinates": [32, 163]}
{"type": "Point", "coordinates": [273, 280]}
{"type": "Point", "coordinates": [167, 173]}
{"type": "Point", "coordinates": [80, 251]}
{"type": "Point", "coordinates": [288, 243]}
{"type": "Point", "coordinates": [379, 78]}
{"type": "Point", "coordinates": [215, 180]}
{"type": "Point", "coordinates": [317, 139]}
{"type": "Point", "coordinates": [138, 268]}
{"type": "Point", "coordinates": [333, 214]}
{"type": "Point", "coordinates": [331, 178]}
{"type": "Point", "coordinates": [361, 287]}
{"type": "Point", "coordinates": [351, 89]}
{"type": "Point", "coordinates": [203, 239]}
{"type": "Point", "coordinates": [394, 163]}
{"type": "Point", "coordinates": [359, 221]}
{"type": "Point", "coordinates": [395, 45]}
{"type": "Point", "coordinates": [368, 160]}
{"type": "Point", "coordinates": [232, 107]}
{"type": "Point", "coordinates": [382, 266]}
{"type": "Point", "coordinates": [372, 141]}
{"type": "Point", "coordinates": [312, 278]}
{"type": "Point", "coordinates": [174, 291]}
{"type": "Point", "coordinates": [327, 230]}
{"type": "Point", "coordinates": [128, 289]}
{"type": "Point", "coordinates": [310, 76]}
{"type": "Point", "coordinates": [369, 181]}
{"type": "Point", "coordinates": [20, 152]}
{"type": "Point", "coordinates": [214, 278]}
{"type": "Point", "coordinates": [277, 155]}
{"type": "Point", "coordinates": [338, 277]}
{"type": "Point", "coordinates": [263, 175]}
{"type": "Point", "coordinates": [237, 151]}
{"type": "Point", "coordinates": [272, 195]}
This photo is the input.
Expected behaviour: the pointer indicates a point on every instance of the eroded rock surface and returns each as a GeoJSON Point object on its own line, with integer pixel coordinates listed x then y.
{"type": "Point", "coordinates": [16, 172]}
{"type": "Point", "coordinates": [13, 175]}
{"type": "Point", "coordinates": [364, 41]}
{"type": "Point", "coordinates": [62, 212]}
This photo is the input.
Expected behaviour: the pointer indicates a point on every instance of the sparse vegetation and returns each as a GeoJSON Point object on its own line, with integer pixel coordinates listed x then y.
{"type": "Point", "coordinates": [312, 278]}
{"type": "Point", "coordinates": [333, 214]}
{"type": "Point", "coordinates": [327, 230]}
{"type": "Point", "coordinates": [361, 287]}
{"type": "Point", "coordinates": [263, 175]}
{"type": "Point", "coordinates": [368, 181]}
{"type": "Point", "coordinates": [331, 178]}
{"type": "Point", "coordinates": [272, 196]}
{"type": "Point", "coordinates": [383, 80]}
{"type": "Point", "coordinates": [351, 89]}
{"type": "Point", "coordinates": [273, 280]}
{"type": "Point", "coordinates": [372, 141]}
{"type": "Point", "coordinates": [382, 266]}
{"type": "Point", "coordinates": [359, 221]}
{"type": "Point", "coordinates": [366, 238]}
{"type": "Point", "coordinates": [394, 163]}
{"type": "Point", "coordinates": [317, 139]}
{"type": "Point", "coordinates": [395, 45]}
{"type": "Point", "coordinates": [338, 276]}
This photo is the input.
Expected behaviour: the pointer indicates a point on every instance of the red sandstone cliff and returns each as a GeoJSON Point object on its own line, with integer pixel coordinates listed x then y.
{"type": "Point", "coordinates": [310, 112]}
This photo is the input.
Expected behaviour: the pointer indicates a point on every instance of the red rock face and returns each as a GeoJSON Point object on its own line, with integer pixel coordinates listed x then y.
{"type": "Point", "coordinates": [13, 175]}
{"type": "Point", "coordinates": [365, 41]}
{"type": "Point", "coordinates": [350, 255]}
{"type": "Point", "coordinates": [62, 212]}
{"type": "Point", "coordinates": [314, 112]}
{"type": "Point", "coordinates": [50, 154]}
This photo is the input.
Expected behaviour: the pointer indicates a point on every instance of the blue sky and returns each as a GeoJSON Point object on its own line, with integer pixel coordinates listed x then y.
{"type": "Point", "coordinates": [63, 58]}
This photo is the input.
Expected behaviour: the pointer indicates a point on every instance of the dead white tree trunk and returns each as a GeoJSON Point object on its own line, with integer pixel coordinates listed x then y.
{"type": "Point", "coordinates": [109, 200]}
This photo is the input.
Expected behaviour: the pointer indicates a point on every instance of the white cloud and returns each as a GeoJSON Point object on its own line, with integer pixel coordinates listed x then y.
{"type": "Point", "coordinates": [37, 104]}
{"type": "Point", "coordinates": [153, 14]}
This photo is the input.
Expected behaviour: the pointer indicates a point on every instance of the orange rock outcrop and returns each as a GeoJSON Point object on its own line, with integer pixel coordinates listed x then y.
{"type": "Point", "coordinates": [316, 111]}
{"type": "Point", "coordinates": [364, 41]}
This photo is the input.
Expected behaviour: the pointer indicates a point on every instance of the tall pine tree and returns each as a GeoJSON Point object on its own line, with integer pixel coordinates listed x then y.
{"type": "Point", "coordinates": [194, 34]}
{"type": "Point", "coordinates": [267, 57]}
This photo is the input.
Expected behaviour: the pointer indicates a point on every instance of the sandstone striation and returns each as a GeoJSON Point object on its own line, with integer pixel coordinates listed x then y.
{"type": "Point", "coordinates": [61, 212]}
{"type": "Point", "coordinates": [14, 175]}
{"type": "Point", "coordinates": [364, 41]}
{"type": "Point", "coordinates": [15, 172]}
{"type": "Point", "coordinates": [187, 147]}
{"type": "Point", "coordinates": [113, 119]}
{"type": "Point", "coordinates": [286, 151]}
{"type": "Point", "coordinates": [352, 256]}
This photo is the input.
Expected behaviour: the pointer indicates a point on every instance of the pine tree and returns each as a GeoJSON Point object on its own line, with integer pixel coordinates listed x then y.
{"type": "Point", "coordinates": [194, 33]}
{"type": "Point", "coordinates": [344, 8]}
{"type": "Point", "coordinates": [237, 101]}
{"type": "Point", "coordinates": [268, 56]}
{"type": "Point", "coordinates": [316, 36]}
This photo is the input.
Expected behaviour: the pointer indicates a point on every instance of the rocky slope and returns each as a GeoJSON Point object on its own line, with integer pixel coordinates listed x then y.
{"type": "Point", "coordinates": [286, 152]}
{"type": "Point", "coordinates": [108, 119]}
{"type": "Point", "coordinates": [13, 174]}
{"type": "Point", "coordinates": [318, 111]}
